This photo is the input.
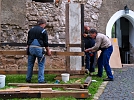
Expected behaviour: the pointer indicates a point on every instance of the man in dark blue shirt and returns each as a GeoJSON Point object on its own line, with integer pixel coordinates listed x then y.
{"type": "Point", "coordinates": [90, 57]}
{"type": "Point", "coordinates": [37, 41]}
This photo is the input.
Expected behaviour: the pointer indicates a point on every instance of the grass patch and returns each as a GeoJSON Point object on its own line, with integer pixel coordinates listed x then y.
{"type": "Point", "coordinates": [50, 79]}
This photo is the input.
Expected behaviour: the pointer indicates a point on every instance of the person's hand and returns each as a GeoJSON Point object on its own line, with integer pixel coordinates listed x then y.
{"type": "Point", "coordinates": [87, 50]}
{"type": "Point", "coordinates": [49, 52]}
{"type": "Point", "coordinates": [84, 35]}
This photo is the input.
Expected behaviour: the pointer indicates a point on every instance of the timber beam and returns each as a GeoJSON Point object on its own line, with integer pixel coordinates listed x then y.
{"type": "Point", "coordinates": [53, 94]}
{"type": "Point", "coordinates": [24, 52]}
{"type": "Point", "coordinates": [47, 71]}
{"type": "Point", "coordinates": [36, 85]}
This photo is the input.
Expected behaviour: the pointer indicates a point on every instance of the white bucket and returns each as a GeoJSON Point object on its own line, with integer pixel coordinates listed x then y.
{"type": "Point", "coordinates": [2, 81]}
{"type": "Point", "coordinates": [65, 77]}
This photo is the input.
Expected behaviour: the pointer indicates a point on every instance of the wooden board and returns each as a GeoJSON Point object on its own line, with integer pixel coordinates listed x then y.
{"type": "Point", "coordinates": [23, 52]}
{"type": "Point", "coordinates": [36, 85]}
{"type": "Point", "coordinates": [75, 89]}
{"type": "Point", "coordinates": [11, 95]}
{"type": "Point", "coordinates": [47, 71]}
{"type": "Point", "coordinates": [22, 89]}
{"type": "Point", "coordinates": [75, 94]}
{"type": "Point", "coordinates": [87, 82]}
{"type": "Point", "coordinates": [115, 60]}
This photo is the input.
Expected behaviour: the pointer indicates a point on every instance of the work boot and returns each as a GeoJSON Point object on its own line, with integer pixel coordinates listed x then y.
{"type": "Point", "coordinates": [108, 79]}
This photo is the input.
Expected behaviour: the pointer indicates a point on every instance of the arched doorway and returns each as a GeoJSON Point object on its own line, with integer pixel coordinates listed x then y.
{"type": "Point", "coordinates": [124, 32]}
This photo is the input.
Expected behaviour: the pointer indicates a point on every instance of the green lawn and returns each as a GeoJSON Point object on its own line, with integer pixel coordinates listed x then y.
{"type": "Point", "coordinates": [50, 79]}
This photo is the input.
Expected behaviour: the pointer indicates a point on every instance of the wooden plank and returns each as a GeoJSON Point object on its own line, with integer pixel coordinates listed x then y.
{"type": "Point", "coordinates": [50, 45]}
{"type": "Point", "coordinates": [67, 37]}
{"type": "Point", "coordinates": [47, 71]}
{"type": "Point", "coordinates": [82, 31]}
{"type": "Point", "coordinates": [22, 89]}
{"type": "Point", "coordinates": [87, 82]}
{"type": "Point", "coordinates": [74, 45]}
{"type": "Point", "coordinates": [36, 85]}
{"type": "Point", "coordinates": [58, 70]}
{"type": "Point", "coordinates": [68, 53]}
{"type": "Point", "coordinates": [23, 52]}
{"type": "Point", "coordinates": [75, 89]}
{"type": "Point", "coordinates": [25, 44]}
{"type": "Point", "coordinates": [12, 52]}
{"type": "Point", "coordinates": [11, 95]}
{"type": "Point", "coordinates": [75, 94]}
{"type": "Point", "coordinates": [24, 71]}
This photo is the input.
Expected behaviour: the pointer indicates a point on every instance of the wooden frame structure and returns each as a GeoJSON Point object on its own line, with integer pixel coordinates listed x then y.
{"type": "Point", "coordinates": [69, 44]}
{"type": "Point", "coordinates": [23, 52]}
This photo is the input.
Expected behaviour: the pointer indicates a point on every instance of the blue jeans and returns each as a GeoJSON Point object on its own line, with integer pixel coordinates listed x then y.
{"type": "Point", "coordinates": [90, 61]}
{"type": "Point", "coordinates": [103, 61]}
{"type": "Point", "coordinates": [36, 53]}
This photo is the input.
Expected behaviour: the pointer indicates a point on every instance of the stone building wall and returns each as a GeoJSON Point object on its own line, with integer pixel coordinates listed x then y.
{"type": "Point", "coordinates": [15, 25]}
{"type": "Point", "coordinates": [19, 17]}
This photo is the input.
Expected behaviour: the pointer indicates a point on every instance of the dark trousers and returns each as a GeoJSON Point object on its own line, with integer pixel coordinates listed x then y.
{"type": "Point", "coordinates": [103, 61]}
{"type": "Point", "coordinates": [90, 61]}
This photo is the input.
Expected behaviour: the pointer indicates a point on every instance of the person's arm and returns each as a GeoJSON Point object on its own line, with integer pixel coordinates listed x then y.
{"type": "Point", "coordinates": [96, 46]}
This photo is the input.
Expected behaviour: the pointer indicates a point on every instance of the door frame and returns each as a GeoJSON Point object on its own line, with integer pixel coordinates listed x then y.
{"type": "Point", "coordinates": [115, 17]}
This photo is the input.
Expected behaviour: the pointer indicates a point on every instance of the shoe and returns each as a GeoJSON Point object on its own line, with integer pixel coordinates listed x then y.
{"type": "Point", "coordinates": [86, 71]}
{"type": "Point", "coordinates": [28, 81]}
{"type": "Point", "coordinates": [43, 82]}
{"type": "Point", "coordinates": [108, 79]}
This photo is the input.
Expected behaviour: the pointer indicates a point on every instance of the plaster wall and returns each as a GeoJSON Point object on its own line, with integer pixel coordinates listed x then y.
{"type": "Point", "coordinates": [13, 12]}
{"type": "Point", "coordinates": [108, 9]}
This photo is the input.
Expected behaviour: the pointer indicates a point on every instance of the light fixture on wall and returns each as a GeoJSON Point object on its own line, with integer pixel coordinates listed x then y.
{"type": "Point", "coordinates": [126, 9]}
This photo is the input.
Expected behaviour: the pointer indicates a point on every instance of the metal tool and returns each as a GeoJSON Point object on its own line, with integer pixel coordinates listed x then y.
{"type": "Point", "coordinates": [42, 57]}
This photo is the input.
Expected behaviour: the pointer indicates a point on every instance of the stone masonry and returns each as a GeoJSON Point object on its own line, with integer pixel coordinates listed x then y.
{"type": "Point", "coordinates": [19, 16]}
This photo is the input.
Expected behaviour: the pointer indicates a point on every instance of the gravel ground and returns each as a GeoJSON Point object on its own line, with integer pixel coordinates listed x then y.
{"type": "Point", "coordinates": [122, 88]}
